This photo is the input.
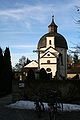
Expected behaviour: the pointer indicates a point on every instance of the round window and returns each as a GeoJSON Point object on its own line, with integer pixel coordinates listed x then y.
{"type": "Point", "coordinates": [48, 54]}
{"type": "Point", "coordinates": [48, 69]}
{"type": "Point", "coordinates": [48, 61]}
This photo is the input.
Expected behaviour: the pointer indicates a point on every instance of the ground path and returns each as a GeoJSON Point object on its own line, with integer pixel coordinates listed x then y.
{"type": "Point", "coordinates": [18, 114]}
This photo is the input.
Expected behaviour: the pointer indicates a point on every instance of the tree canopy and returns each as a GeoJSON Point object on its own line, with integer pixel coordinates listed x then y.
{"type": "Point", "coordinates": [22, 62]}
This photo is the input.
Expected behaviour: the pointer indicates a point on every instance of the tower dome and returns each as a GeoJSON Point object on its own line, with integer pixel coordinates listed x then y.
{"type": "Point", "coordinates": [59, 40]}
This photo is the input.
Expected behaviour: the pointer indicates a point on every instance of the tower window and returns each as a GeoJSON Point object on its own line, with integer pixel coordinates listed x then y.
{"type": "Point", "coordinates": [49, 42]}
{"type": "Point", "coordinates": [48, 61]}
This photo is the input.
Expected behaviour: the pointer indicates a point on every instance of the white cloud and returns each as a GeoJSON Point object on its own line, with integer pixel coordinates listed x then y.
{"type": "Point", "coordinates": [36, 12]}
{"type": "Point", "coordinates": [22, 46]}
{"type": "Point", "coordinates": [27, 14]}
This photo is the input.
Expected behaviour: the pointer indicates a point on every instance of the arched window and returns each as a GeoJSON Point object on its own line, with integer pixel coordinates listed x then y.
{"type": "Point", "coordinates": [48, 69]}
{"type": "Point", "coordinates": [48, 61]}
{"type": "Point", "coordinates": [49, 42]}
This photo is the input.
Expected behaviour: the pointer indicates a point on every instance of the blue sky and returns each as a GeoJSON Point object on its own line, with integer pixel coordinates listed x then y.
{"type": "Point", "coordinates": [23, 22]}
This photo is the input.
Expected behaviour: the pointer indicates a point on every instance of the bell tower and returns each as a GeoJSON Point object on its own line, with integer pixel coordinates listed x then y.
{"type": "Point", "coordinates": [52, 27]}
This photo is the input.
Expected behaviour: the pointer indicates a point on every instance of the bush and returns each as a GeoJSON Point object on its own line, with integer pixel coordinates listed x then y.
{"type": "Point", "coordinates": [31, 75]}
{"type": "Point", "coordinates": [43, 75]}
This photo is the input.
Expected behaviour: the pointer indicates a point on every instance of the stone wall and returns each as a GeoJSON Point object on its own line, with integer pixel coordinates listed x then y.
{"type": "Point", "coordinates": [69, 89]}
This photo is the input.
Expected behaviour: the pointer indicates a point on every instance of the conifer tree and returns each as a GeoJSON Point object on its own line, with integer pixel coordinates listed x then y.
{"type": "Point", "coordinates": [43, 75]}
{"type": "Point", "coordinates": [1, 72]}
{"type": "Point", "coordinates": [31, 75]}
{"type": "Point", "coordinates": [7, 70]}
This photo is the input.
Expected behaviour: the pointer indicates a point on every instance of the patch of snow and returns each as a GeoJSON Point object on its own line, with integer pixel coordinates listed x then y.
{"type": "Point", "coordinates": [31, 105]}
{"type": "Point", "coordinates": [22, 105]}
{"type": "Point", "coordinates": [71, 107]}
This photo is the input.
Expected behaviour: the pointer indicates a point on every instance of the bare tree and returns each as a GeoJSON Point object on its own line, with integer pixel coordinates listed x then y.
{"type": "Point", "coordinates": [75, 53]}
{"type": "Point", "coordinates": [22, 62]}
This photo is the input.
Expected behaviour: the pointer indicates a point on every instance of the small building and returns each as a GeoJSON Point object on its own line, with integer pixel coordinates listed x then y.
{"type": "Point", "coordinates": [32, 65]}
{"type": "Point", "coordinates": [73, 71]}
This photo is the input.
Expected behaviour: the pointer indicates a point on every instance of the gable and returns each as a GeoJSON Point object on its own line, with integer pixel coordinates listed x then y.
{"type": "Point", "coordinates": [51, 49]}
{"type": "Point", "coordinates": [49, 54]}
{"type": "Point", "coordinates": [32, 64]}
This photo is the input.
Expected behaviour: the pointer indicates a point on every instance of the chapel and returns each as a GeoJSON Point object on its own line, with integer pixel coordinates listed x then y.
{"type": "Point", "coordinates": [52, 52]}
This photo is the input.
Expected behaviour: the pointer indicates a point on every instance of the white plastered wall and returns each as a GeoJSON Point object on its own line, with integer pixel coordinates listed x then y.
{"type": "Point", "coordinates": [52, 65]}
{"type": "Point", "coordinates": [63, 51]}
{"type": "Point", "coordinates": [52, 42]}
{"type": "Point", "coordinates": [53, 68]}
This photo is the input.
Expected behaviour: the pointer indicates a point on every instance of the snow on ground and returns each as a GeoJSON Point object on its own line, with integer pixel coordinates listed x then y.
{"type": "Point", "coordinates": [30, 105]}
{"type": "Point", "coordinates": [71, 107]}
{"type": "Point", "coordinates": [24, 105]}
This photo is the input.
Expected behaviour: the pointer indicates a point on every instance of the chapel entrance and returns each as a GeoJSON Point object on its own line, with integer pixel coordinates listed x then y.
{"type": "Point", "coordinates": [50, 75]}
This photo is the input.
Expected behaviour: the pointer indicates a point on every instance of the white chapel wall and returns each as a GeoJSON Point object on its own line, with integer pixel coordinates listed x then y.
{"type": "Point", "coordinates": [52, 42]}
{"type": "Point", "coordinates": [53, 68]}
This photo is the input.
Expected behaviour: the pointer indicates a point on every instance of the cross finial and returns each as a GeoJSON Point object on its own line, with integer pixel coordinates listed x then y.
{"type": "Point", "coordinates": [53, 18]}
